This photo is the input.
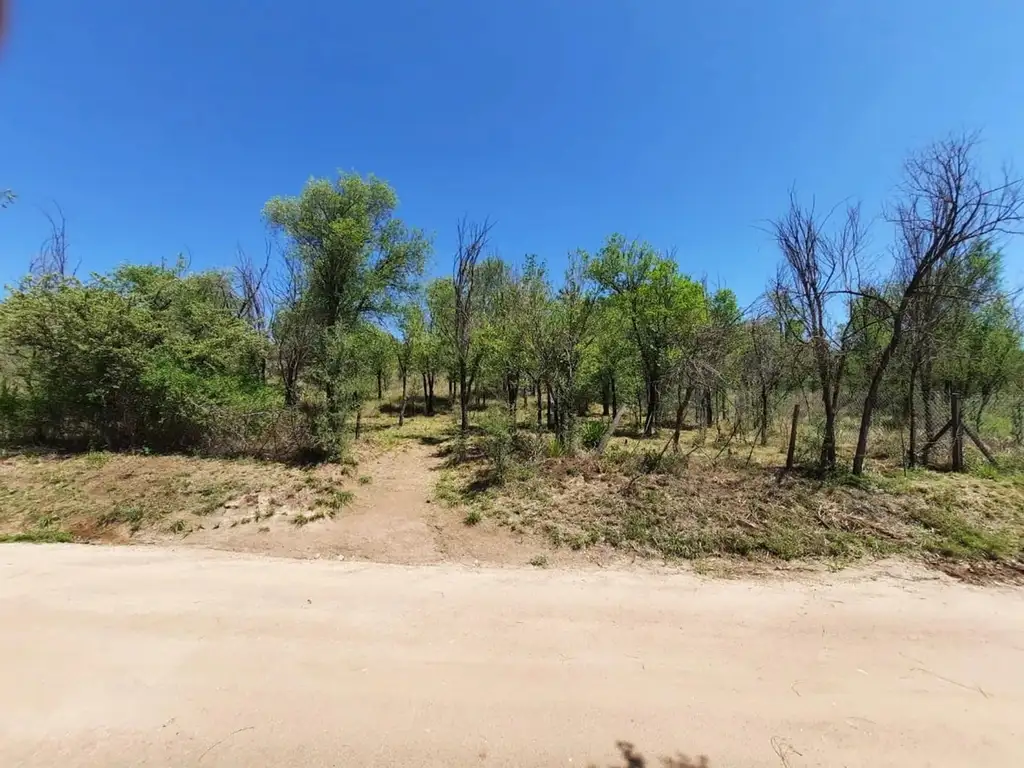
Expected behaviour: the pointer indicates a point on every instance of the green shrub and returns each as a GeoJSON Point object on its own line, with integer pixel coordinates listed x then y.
{"type": "Point", "coordinates": [592, 434]}
{"type": "Point", "coordinates": [498, 443]}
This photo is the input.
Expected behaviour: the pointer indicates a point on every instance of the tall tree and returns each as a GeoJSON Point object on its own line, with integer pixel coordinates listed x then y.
{"type": "Point", "coordinates": [472, 241]}
{"type": "Point", "coordinates": [357, 261]}
{"type": "Point", "coordinates": [814, 271]}
{"type": "Point", "coordinates": [946, 208]}
{"type": "Point", "coordinates": [661, 304]}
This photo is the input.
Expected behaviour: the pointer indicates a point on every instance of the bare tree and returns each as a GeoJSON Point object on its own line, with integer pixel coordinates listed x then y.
{"type": "Point", "coordinates": [472, 240]}
{"type": "Point", "coordinates": [52, 258]}
{"type": "Point", "coordinates": [251, 290]}
{"type": "Point", "coordinates": [293, 329]}
{"type": "Point", "coordinates": [815, 270]}
{"type": "Point", "coordinates": [945, 209]}
{"type": "Point", "coordinates": [250, 283]}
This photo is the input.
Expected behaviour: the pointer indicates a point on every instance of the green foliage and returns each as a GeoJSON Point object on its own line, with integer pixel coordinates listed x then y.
{"type": "Point", "coordinates": [352, 261]}
{"type": "Point", "coordinates": [144, 357]}
{"type": "Point", "coordinates": [663, 308]}
{"type": "Point", "coordinates": [498, 444]}
{"type": "Point", "coordinates": [592, 434]}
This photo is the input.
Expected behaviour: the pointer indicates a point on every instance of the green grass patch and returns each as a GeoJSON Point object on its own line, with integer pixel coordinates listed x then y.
{"type": "Point", "coordinates": [38, 536]}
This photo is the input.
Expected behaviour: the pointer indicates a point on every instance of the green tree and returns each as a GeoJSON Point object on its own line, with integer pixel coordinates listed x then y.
{"type": "Point", "coordinates": [662, 307]}
{"type": "Point", "coordinates": [356, 260]}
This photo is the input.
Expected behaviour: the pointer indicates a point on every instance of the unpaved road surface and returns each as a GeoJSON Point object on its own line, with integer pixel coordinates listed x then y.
{"type": "Point", "coordinates": [137, 656]}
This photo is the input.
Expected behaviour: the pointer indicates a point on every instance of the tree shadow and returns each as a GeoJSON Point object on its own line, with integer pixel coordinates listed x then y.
{"type": "Point", "coordinates": [633, 759]}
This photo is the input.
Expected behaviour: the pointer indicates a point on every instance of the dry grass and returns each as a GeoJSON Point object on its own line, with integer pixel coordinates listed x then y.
{"type": "Point", "coordinates": [710, 500]}
{"type": "Point", "coordinates": [109, 497]}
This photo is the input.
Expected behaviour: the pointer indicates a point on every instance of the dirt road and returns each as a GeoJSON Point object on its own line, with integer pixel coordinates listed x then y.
{"type": "Point", "coordinates": [132, 656]}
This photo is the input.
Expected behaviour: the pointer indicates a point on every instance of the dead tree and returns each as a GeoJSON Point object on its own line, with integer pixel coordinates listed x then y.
{"type": "Point", "coordinates": [471, 242]}
{"type": "Point", "coordinates": [52, 258]}
{"type": "Point", "coordinates": [815, 270]}
{"type": "Point", "coordinates": [945, 209]}
{"type": "Point", "coordinates": [250, 286]}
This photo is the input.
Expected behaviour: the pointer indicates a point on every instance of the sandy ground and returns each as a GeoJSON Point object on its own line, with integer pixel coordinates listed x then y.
{"type": "Point", "coordinates": [143, 656]}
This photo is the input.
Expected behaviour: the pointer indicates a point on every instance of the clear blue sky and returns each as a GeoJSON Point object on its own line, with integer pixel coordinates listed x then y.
{"type": "Point", "coordinates": [162, 127]}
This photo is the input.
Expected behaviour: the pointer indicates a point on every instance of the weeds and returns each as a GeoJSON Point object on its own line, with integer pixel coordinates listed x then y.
{"type": "Point", "coordinates": [539, 561]}
{"type": "Point", "coordinates": [178, 526]}
{"type": "Point", "coordinates": [38, 536]}
{"type": "Point", "coordinates": [592, 433]}
{"type": "Point", "coordinates": [339, 499]}
{"type": "Point", "coordinates": [131, 515]}
{"type": "Point", "coordinates": [301, 520]}
{"type": "Point", "coordinates": [473, 517]}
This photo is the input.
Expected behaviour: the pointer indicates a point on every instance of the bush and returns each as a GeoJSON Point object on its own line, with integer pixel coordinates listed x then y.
{"type": "Point", "coordinates": [498, 443]}
{"type": "Point", "coordinates": [145, 358]}
{"type": "Point", "coordinates": [592, 434]}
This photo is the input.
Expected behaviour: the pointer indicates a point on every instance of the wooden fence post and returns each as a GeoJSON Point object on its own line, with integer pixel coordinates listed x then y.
{"type": "Point", "coordinates": [956, 418]}
{"type": "Point", "coordinates": [792, 437]}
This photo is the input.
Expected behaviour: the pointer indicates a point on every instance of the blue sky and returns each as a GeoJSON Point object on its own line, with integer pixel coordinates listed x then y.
{"type": "Point", "coordinates": [163, 127]}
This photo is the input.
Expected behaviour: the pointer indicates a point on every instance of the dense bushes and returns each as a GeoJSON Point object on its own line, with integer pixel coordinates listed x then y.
{"type": "Point", "coordinates": [144, 358]}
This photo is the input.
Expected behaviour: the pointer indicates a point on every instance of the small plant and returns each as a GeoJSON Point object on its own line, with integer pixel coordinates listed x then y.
{"type": "Point", "coordinates": [592, 433]}
{"type": "Point", "coordinates": [539, 561]}
{"type": "Point", "coordinates": [300, 519]}
{"type": "Point", "coordinates": [498, 444]}
{"type": "Point", "coordinates": [131, 515]}
{"type": "Point", "coordinates": [178, 526]}
{"type": "Point", "coordinates": [472, 517]}
{"type": "Point", "coordinates": [97, 459]}
{"type": "Point", "coordinates": [554, 449]}
{"type": "Point", "coordinates": [365, 479]}
{"type": "Point", "coordinates": [340, 499]}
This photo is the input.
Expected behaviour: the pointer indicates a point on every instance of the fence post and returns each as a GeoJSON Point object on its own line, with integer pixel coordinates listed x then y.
{"type": "Point", "coordinates": [957, 458]}
{"type": "Point", "coordinates": [792, 437]}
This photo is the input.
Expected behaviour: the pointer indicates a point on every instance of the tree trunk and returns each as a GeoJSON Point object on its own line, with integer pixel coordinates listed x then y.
{"type": "Point", "coordinates": [709, 410]}
{"type": "Point", "coordinates": [540, 405]}
{"type": "Point", "coordinates": [912, 420]}
{"type": "Point", "coordinates": [551, 412]}
{"type": "Point", "coordinates": [764, 415]}
{"type": "Point", "coordinates": [650, 427]}
{"type": "Point", "coordinates": [605, 398]}
{"type": "Point", "coordinates": [463, 398]}
{"type": "Point", "coordinates": [827, 461]}
{"type": "Point", "coordinates": [401, 410]}
{"type": "Point", "coordinates": [430, 394]}
{"type": "Point", "coordinates": [682, 401]}
{"type": "Point", "coordinates": [512, 393]}
{"type": "Point", "coordinates": [871, 399]}
{"type": "Point", "coordinates": [380, 385]}
{"type": "Point", "coordinates": [289, 392]}
{"type": "Point", "coordinates": [911, 414]}
{"type": "Point", "coordinates": [615, 400]}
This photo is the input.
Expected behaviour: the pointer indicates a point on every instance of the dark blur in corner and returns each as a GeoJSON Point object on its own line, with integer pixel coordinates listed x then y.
{"type": "Point", "coordinates": [3, 22]}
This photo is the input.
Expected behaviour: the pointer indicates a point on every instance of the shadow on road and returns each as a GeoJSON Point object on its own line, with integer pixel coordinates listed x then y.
{"type": "Point", "coordinates": [633, 759]}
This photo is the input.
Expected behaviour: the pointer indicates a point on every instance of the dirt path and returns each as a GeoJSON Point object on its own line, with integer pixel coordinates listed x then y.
{"type": "Point", "coordinates": [129, 656]}
{"type": "Point", "coordinates": [393, 518]}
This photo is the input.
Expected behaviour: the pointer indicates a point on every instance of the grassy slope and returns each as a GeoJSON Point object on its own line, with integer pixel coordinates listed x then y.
{"type": "Point", "coordinates": [704, 502]}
